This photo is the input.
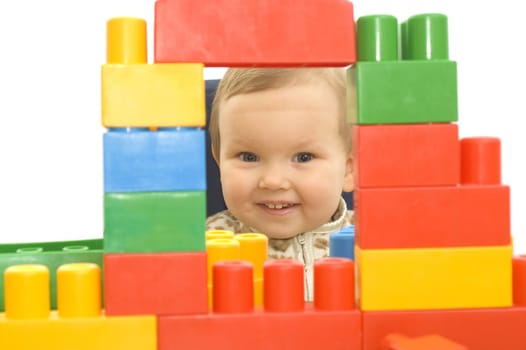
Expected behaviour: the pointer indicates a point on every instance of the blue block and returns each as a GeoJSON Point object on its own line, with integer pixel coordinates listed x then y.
{"type": "Point", "coordinates": [341, 243]}
{"type": "Point", "coordinates": [139, 160]}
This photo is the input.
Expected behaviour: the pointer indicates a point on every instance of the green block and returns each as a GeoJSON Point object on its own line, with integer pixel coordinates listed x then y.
{"type": "Point", "coordinates": [152, 222]}
{"type": "Point", "coordinates": [402, 92]}
{"type": "Point", "coordinates": [51, 254]}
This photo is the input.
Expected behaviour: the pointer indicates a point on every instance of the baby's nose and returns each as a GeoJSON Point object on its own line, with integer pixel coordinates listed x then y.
{"type": "Point", "coordinates": [274, 178]}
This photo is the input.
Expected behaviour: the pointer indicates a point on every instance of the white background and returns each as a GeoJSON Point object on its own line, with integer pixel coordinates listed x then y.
{"type": "Point", "coordinates": [51, 138]}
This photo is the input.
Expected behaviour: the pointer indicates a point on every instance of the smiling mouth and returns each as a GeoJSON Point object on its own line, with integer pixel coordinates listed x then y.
{"type": "Point", "coordinates": [278, 206]}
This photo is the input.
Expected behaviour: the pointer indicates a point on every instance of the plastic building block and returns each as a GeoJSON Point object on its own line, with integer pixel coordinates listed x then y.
{"type": "Point", "coordinates": [432, 217]}
{"type": "Point", "coordinates": [161, 95]}
{"type": "Point", "coordinates": [429, 342]}
{"type": "Point", "coordinates": [51, 255]}
{"type": "Point", "coordinates": [480, 329]}
{"type": "Point", "coordinates": [161, 284]}
{"type": "Point", "coordinates": [434, 278]}
{"type": "Point", "coordinates": [289, 325]}
{"type": "Point", "coordinates": [422, 88]}
{"type": "Point", "coordinates": [418, 155]}
{"type": "Point", "coordinates": [146, 161]}
{"type": "Point", "coordinates": [238, 33]}
{"type": "Point", "coordinates": [480, 159]}
{"type": "Point", "coordinates": [29, 324]}
{"type": "Point", "coordinates": [519, 280]}
{"type": "Point", "coordinates": [154, 221]}
{"type": "Point", "coordinates": [341, 243]}
{"type": "Point", "coordinates": [137, 94]}
{"type": "Point", "coordinates": [402, 92]}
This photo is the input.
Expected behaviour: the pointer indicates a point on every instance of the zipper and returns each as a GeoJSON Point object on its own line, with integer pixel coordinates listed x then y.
{"type": "Point", "coordinates": [301, 240]}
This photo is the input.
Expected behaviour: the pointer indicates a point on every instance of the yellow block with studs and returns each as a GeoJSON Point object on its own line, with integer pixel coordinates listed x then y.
{"type": "Point", "coordinates": [79, 322]}
{"type": "Point", "coordinates": [434, 278]}
{"type": "Point", "coordinates": [153, 95]}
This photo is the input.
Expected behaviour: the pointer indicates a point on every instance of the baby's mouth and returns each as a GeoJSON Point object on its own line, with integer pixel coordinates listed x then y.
{"type": "Point", "coordinates": [278, 206]}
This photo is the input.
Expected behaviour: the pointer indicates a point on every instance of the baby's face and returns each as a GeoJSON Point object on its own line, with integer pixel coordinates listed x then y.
{"type": "Point", "coordinates": [282, 158]}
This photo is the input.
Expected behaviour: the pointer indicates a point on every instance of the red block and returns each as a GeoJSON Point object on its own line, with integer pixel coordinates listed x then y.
{"type": "Point", "coordinates": [429, 342]}
{"type": "Point", "coordinates": [240, 33]}
{"type": "Point", "coordinates": [432, 217]}
{"type": "Point", "coordinates": [163, 283]}
{"type": "Point", "coordinates": [262, 330]}
{"type": "Point", "coordinates": [406, 155]}
{"type": "Point", "coordinates": [477, 329]}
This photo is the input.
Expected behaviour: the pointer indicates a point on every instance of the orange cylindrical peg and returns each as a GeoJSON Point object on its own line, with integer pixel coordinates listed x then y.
{"type": "Point", "coordinates": [283, 286]}
{"type": "Point", "coordinates": [126, 41]}
{"type": "Point", "coordinates": [519, 280]}
{"type": "Point", "coordinates": [27, 293]}
{"type": "Point", "coordinates": [214, 234]}
{"type": "Point", "coordinates": [480, 161]}
{"type": "Point", "coordinates": [78, 290]}
{"type": "Point", "coordinates": [233, 287]}
{"type": "Point", "coordinates": [334, 284]}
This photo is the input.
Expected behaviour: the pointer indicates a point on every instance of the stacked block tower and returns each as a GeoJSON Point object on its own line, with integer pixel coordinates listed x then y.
{"type": "Point", "coordinates": [432, 217]}
{"type": "Point", "coordinates": [433, 244]}
{"type": "Point", "coordinates": [154, 179]}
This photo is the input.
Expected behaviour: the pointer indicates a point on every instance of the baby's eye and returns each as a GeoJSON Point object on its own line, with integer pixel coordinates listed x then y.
{"type": "Point", "coordinates": [248, 157]}
{"type": "Point", "coordinates": [303, 157]}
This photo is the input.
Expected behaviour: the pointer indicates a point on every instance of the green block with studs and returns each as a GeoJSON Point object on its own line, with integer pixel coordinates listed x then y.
{"type": "Point", "coordinates": [52, 255]}
{"type": "Point", "coordinates": [152, 222]}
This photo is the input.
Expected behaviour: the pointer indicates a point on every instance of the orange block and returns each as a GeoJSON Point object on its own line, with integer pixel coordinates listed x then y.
{"type": "Point", "coordinates": [406, 155]}
{"type": "Point", "coordinates": [237, 33]}
{"type": "Point", "coordinates": [162, 283]}
{"type": "Point", "coordinates": [432, 217]}
{"type": "Point", "coordinates": [478, 329]}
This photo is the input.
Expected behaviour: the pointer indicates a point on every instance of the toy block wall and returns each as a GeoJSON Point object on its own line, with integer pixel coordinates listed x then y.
{"type": "Point", "coordinates": [284, 321]}
{"type": "Point", "coordinates": [430, 211]}
{"type": "Point", "coordinates": [154, 179]}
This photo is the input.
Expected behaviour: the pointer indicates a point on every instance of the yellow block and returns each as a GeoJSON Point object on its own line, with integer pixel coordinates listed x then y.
{"type": "Point", "coordinates": [115, 332]}
{"type": "Point", "coordinates": [153, 95]}
{"type": "Point", "coordinates": [435, 278]}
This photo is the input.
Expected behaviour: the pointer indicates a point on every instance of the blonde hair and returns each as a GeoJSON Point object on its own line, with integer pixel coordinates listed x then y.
{"type": "Point", "coordinates": [238, 81]}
